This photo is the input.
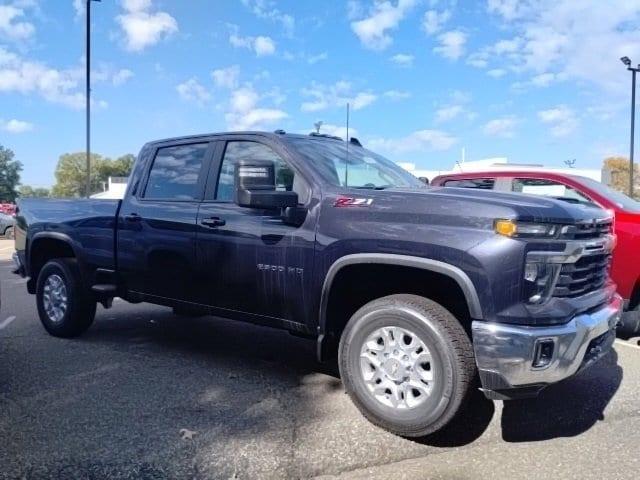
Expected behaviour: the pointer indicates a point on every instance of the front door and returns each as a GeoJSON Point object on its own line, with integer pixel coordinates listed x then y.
{"type": "Point", "coordinates": [251, 261]}
{"type": "Point", "coordinates": [157, 222]}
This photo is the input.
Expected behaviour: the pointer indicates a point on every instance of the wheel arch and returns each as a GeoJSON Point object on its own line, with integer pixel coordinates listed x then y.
{"type": "Point", "coordinates": [45, 246]}
{"type": "Point", "coordinates": [455, 274]}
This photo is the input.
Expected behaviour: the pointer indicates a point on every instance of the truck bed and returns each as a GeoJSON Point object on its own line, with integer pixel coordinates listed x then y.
{"type": "Point", "coordinates": [89, 223]}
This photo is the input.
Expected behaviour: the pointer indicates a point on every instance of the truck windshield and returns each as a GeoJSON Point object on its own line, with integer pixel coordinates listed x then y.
{"type": "Point", "coordinates": [364, 169]}
{"type": "Point", "coordinates": [620, 199]}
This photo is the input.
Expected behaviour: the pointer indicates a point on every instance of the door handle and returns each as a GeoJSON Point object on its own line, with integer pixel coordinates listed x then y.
{"type": "Point", "coordinates": [133, 217]}
{"type": "Point", "coordinates": [213, 222]}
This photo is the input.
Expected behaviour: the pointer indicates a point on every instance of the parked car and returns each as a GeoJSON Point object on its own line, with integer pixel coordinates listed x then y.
{"type": "Point", "coordinates": [625, 268]}
{"type": "Point", "coordinates": [7, 225]}
{"type": "Point", "coordinates": [415, 290]}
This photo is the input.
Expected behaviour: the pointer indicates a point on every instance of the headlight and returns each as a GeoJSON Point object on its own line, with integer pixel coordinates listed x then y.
{"type": "Point", "coordinates": [511, 228]}
{"type": "Point", "coordinates": [539, 280]}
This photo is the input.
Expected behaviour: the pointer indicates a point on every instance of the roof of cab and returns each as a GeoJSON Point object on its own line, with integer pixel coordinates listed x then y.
{"type": "Point", "coordinates": [278, 134]}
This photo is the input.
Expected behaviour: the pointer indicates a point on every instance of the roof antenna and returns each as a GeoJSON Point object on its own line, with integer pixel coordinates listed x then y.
{"type": "Point", "coordinates": [346, 164]}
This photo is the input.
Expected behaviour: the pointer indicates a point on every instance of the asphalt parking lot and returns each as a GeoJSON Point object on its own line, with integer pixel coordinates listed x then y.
{"type": "Point", "coordinates": [146, 394]}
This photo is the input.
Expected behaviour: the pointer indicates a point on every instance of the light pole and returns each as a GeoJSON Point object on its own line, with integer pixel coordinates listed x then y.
{"type": "Point", "coordinates": [633, 70]}
{"type": "Point", "coordinates": [88, 94]}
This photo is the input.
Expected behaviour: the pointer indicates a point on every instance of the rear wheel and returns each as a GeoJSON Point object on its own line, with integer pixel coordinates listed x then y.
{"type": "Point", "coordinates": [407, 364]}
{"type": "Point", "coordinates": [65, 308]}
{"type": "Point", "coordinates": [8, 233]}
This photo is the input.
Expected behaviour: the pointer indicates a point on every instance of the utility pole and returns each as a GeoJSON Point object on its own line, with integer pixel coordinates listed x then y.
{"type": "Point", "coordinates": [88, 94]}
{"type": "Point", "coordinates": [633, 70]}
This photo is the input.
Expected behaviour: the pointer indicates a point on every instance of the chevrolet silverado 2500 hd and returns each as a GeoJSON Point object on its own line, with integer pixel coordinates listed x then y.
{"type": "Point", "coordinates": [417, 291]}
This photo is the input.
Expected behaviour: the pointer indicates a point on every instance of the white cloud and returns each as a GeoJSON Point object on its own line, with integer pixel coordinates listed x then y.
{"type": "Point", "coordinates": [452, 44]}
{"type": "Point", "coordinates": [264, 46]}
{"type": "Point", "coordinates": [403, 59]}
{"type": "Point", "coordinates": [501, 127]}
{"type": "Point", "coordinates": [78, 6]}
{"type": "Point", "coordinates": [455, 108]}
{"type": "Point", "coordinates": [509, 9]}
{"type": "Point", "coordinates": [313, 59]}
{"type": "Point", "coordinates": [12, 26]}
{"type": "Point", "coordinates": [384, 16]}
{"type": "Point", "coordinates": [25, 76]}
{"type": "Point", "coordinates": [142, 26]}
{"type": "Point", "coordinates": [497, 72]}
{"type": "Point", "coordinates": [433, 21]}
{"type": "Point", "coordinates": [106, 73]}
{"type": "Point", "coordinates": [448, 113]}
{"type": "Point", "coordinates": [336, 95]}
{"type": "Point", "coordinates": [244, 112]}
{"type": "Point", "coordinates": [15, 126]}
{"type": "Point", "coordinates": [561, 120]}
{"type": "Point", "coordinates": [121, 77]}
{"type": "Point", "coordinates": [226, 77]}
{"type": "Point", "coordinates": [574, 40]}
{"type": "Point", "coordinates": [397, 94]}
{"type": "Point", "coordinates": [193, 91]}
{"type": "Point", "coordinates": [261, 45]}
{"type": "Point", "coordinates": [266, 9]}
{"type": "Point", "coordinates": [418, 141]}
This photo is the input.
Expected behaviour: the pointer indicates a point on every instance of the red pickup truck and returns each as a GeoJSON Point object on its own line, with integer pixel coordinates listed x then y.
{"type": "Point", "coordinates": [625, 268]}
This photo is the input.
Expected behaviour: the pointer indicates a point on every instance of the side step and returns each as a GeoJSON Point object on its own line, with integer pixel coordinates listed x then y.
{"type": "Point", "coordinates": [105, 289]}
{"type": "Point", "coordinates": [105, 293]}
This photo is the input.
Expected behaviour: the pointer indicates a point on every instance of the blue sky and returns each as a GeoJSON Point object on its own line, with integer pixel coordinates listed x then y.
{"type": "Point", "coordinates": [538, 81]}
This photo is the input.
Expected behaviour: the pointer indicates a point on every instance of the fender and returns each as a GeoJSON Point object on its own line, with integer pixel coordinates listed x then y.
{"type": "Point", "coordinates": [455, 273]}
{"type": "Point", "coordinates": [63, 237]}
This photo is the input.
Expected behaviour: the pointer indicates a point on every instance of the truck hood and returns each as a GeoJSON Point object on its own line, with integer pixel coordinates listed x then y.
{"type": "Point", "coordinates": [479, 207]}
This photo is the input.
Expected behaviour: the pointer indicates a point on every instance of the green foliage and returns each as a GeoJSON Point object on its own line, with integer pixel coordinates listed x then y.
{"type": "Point", "coordinates": [71, 173]}
{"type": "Point", "coordinates": [9, 175]}
{"type": "Point", "coordinates": [27, 191]}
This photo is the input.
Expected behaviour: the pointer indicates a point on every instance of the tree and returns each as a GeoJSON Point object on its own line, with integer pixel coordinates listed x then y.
{"type": "Point", "coordinates": [27, 191]}
{"type": "Point", "coordinates": [618, 168]}
{"type": "Point", "coordinates": [71, 173]}
{"type": "Point", "coordinates": [9, 175]}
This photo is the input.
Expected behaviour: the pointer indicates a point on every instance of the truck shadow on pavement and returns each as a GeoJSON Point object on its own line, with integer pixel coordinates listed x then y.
{"type": "Point", "coordinates": [566, 409]}
{"type": "Point", "coordinates": [231, 352]}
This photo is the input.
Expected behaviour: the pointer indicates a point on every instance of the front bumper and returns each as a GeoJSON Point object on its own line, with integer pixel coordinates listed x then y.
{"type": "Point", "coordinates": [508, 356]}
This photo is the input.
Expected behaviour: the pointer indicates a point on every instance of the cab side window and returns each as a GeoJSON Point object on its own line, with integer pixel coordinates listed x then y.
{"type": "Point", "coordinates": [235, 151]}
{"type": "Point", "coordinates": [481, 183]}
{"type": "Point", "coordinates": [175, 172]}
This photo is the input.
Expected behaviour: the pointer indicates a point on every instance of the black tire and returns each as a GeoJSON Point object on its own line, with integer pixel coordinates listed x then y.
{"type": "Point", "coordinates": [9, 233]}
{"type": "Point", "coordinates": [81, 306]}
{"type": "Point", "coordinates": [451, 350]}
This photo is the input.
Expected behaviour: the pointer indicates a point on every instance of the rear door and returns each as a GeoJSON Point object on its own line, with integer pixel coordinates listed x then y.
{"type": "Point", "coordinates": [157, 222]}
{"type": "Point", "coordinates": [250, 260]}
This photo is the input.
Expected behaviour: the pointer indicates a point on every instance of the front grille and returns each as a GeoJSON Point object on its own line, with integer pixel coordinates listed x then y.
{"type": "Point", "coordinates": [586, 230]}
{"type": "Point", "coordinates": [589, 273]}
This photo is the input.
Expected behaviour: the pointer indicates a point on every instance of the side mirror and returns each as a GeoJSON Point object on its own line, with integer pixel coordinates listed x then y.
{"type": "Point", "coordinates": [256, 186]}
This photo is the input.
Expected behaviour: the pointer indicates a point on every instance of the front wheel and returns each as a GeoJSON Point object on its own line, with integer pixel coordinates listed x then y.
{"type": "Point", "coordinates": [65, 308]}
{"type": "Point", "coordinates": [9, 233]}
{"type": "Point", "coordinates": [407, 364]}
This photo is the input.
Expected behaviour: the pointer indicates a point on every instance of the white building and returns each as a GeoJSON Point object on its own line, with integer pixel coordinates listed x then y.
{"type": "Point", "coordinates": [114, 189]}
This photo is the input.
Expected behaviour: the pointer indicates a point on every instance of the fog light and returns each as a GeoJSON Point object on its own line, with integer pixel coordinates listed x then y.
{"type": "Point", "coordinates": [543, 353]}
{"type": "Point", "coordinates": [531, 272]}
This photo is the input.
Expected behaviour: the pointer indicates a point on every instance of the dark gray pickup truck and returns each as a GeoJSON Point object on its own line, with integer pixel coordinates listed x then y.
{"type": "Point", "coordinates": [417, 291]}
